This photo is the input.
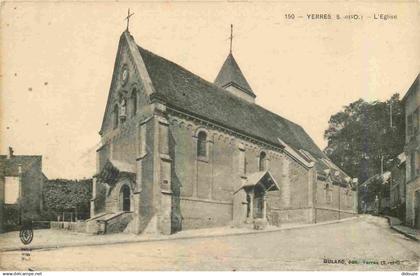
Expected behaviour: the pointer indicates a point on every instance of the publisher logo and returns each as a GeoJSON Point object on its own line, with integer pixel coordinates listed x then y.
{"type": "Point", "coordinates": [26, 234]}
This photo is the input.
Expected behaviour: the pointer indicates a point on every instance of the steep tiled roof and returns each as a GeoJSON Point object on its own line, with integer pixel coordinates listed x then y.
{"type": "Point", "coordinates": [231, 74]}
{"type": "Point", "coordinates": [188, 92]}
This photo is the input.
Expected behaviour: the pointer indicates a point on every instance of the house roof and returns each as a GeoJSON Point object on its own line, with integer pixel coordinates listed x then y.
{"type": "Point", "coordinates": [383, 179]}
{"type": "Point", "coordinates": [413, 88]}
{"type": "Point", "coordinates": [231, 74]}
{"type": "Point", "coordinates": [11, 165]}
{"type": "Point", "coordinates": [188, 92]}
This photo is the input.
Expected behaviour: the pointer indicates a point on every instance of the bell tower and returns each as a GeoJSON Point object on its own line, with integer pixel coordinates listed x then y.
{"type": "Point", "coordinates": [230, 77]}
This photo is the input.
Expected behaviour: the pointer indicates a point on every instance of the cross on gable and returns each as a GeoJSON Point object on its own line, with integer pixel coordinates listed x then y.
{"type": "Point", "coordinates": [231, 37]}
{"type": "Point", "coordinates": [128, 18]}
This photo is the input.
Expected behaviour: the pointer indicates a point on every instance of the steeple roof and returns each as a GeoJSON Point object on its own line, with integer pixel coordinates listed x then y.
{"type": "Point", "coordinates": [231, 74]}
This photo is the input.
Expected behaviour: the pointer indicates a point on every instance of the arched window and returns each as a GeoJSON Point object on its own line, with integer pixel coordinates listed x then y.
{"type": "Point", "coordinates": [134, 103]}
{"type": "Point", "coordinates": [262, 162]}
{"type": "Point", "coordinates": [202, 144]}
{"type": "Point", "coordinates": [116, 116]}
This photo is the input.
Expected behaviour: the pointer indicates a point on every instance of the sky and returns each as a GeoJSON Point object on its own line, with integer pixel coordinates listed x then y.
{"type": "Point", "coordinates": [57, 60]}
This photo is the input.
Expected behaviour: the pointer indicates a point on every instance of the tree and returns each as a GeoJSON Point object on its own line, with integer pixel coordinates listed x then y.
{"type": "Point", "coordinates": [66, 195]}
{"type": "Point", "coordinates": [361, 134]}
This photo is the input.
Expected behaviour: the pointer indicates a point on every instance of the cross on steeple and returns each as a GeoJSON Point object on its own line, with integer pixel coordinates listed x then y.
{"type": "Point", "coordinates": [128, 18]}
{"type": "Point", "coordinates": [231, 37]}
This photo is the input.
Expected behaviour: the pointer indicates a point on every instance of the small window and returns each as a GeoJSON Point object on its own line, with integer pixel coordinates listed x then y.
{"type": "Point", "coordinates": [202, 144]}
{"type": "Point", "coordinates": [410, 125]}
{"type": "Point", "coordinates": [328, 194]}
{"type": "Point", "coordinates": [413, 165]}
{"type": "Point", "coordinates": [134, 103]}
{"type": "Point", "coordinates": [262, 162]}
{"type": "Point", "coordinates": [416, 121]}
{"type": "Point", "coordinates": [417, 163]}
{"type": "Point", "coordinates": [116, 116]}
{"type": "Point", "coordinates": [347, 198]}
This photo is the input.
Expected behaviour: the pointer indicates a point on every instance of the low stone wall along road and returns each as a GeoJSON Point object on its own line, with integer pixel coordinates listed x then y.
{"type": "Point", "coordinates": [366, 243]}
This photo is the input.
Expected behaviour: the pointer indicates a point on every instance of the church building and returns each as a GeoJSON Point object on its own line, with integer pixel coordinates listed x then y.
{"type": "Point", "coordinates": [179, 152]}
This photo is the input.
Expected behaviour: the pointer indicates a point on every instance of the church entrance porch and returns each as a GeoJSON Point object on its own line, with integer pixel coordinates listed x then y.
{"type": "Point", "coordinates": [256, 187]}
{"type": "Point", "coordinates": [117, 182]}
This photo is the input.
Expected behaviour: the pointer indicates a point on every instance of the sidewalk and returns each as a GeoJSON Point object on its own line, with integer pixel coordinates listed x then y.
{"type": "Point", "coordinates": [52, 238]}
{"type": "Point", "coordinates": [409, 232]}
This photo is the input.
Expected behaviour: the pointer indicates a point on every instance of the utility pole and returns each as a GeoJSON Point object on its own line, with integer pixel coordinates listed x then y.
{"type": "Point", "coordinates": [381, 184]}
{"type": "Point", "coordinates": [339, 204]}
{"type": "Point", "coordinates": [390, 114]}
{"type": "Point", "coordinates": [382, 165]}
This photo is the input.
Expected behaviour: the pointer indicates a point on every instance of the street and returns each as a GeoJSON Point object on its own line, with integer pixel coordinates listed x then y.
{"type": "Point", "coordinates": [366, 243]}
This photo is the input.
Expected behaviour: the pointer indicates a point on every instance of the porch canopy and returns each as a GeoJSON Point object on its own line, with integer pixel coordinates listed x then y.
{"type": "Point", "coordinates": [264, 180]}
{"type": "Point", "coordinates": [113, 169]}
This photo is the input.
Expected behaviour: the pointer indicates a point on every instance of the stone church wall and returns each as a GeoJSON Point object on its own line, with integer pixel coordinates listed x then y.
{"type": "Point", "coordinates": [299, 186]}
{"type": "Point", "coordinates": [147, 200]}
{"type": "Point", "coordinates": [207, 184]}
{"type": "Point", "coordinates": [224, 177]}
{"type": "Point", "coordinates": [123, 147]}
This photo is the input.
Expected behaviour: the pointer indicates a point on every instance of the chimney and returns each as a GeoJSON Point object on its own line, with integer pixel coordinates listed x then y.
{"type": "Point", "coordinates": [10, 155]}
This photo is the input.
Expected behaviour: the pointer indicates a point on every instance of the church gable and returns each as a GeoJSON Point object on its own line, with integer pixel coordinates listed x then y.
{"type": "Point", "coordinates": [130, 85]}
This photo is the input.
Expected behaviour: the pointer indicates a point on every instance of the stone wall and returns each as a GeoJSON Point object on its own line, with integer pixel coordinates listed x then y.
{"type": "Point", "coordinates": [412, 187]}
{"type": "Point", "coordinates": [78, 226]}
{"type": "Point", "coordinates": [205, 214]}
{"type": "Point", "coordinates": [280, 216]}
{"type": "Point", "coordinates": [118, 223]}
{"type": "Point", "coordinates": [32, 180]}
{"type": "Point", "coordinates": [124, 146]}
{"type": "Point", "coordinates": [324, 214]}
{"type": "Point", "coordinates": [333, 203]}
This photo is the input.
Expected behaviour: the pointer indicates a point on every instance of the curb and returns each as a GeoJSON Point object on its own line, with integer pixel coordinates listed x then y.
{"type": "Point", "coordinates": [405, 234]}
{"type": "Point", "coordinates": [400, 231]}
{"type": "Point", "coordinates": [170, 238]}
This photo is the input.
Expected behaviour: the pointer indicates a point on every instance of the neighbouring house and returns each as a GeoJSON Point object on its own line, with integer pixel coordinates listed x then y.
{"type": "Point", "coordinates": [375, 194]}
{"type": "Point", "coordinates": [21, 181]}
{"type": "Point", "coordinates": [397, 188]}
{"type": "Point", "coordinates": [412, 148]}
{"type": "Point", "coordinates": [178, 152]}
